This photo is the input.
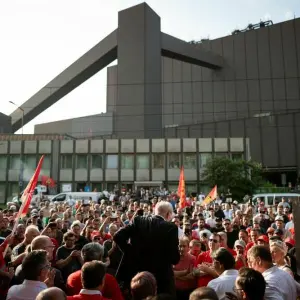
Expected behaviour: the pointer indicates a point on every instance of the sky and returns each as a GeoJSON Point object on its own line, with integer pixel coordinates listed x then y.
{"type": "Point", "coordinates": [40, 38]}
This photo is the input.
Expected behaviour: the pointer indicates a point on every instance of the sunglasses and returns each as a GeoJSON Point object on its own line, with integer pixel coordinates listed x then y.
{"type": "Point", "coordinates": [214, 240]}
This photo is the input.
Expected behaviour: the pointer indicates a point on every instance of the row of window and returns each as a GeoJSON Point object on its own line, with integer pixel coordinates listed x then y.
{"type": "Point", "coordinates": [29, 162]}
{"type": "Point", "coordinates": [142, 161]}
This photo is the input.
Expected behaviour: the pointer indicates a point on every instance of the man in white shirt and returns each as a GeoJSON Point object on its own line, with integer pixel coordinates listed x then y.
{"type": "Point", "coordinates": [211, 221]}
{"type": "Point", "coordinates": [176, 221]}
{"type": "Point", "coordinates": [280, 284]}
{"type": "Point", "coordinates": [36, 269]}
{"type": "Point", "coordinates": [224, 265]}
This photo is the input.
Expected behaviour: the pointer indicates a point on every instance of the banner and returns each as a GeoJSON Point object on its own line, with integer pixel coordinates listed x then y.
{"type": "Point", "coordinates": [211, 196]}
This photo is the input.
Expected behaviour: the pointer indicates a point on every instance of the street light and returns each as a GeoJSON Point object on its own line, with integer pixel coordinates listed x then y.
{"type": "Point", "coordinates": [21, 179]}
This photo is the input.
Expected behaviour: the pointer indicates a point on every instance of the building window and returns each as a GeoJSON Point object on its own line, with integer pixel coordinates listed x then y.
{"type": "Point", "coordinates": [174, 161]}
{"type": "Point", "coordinates": [2, 191]}
{"type": "Point", "coordinates": [13, 190]}
{"type": "Point", "coordinates": [3, 162]}
{"type": "Point", "coordinates": [112, 186]}
{"type": "Point", "coordinates": [96, 161]}
{"type": "Point", "coordinates": [221, 154]}
{"type": "Point", "coordinates": [66, 162]}
{"type": "Point", "coordinates": [189, 161]}
{"type": "Point", "coordinates": [81, 161]}
{"type": "Point", "coordinates": [96, 186]}
{"type": "Point", "coordinates": [204, 158]}
{"type": "Point", "coordinates": [237, 156]}
{"type": "Point", "coordinates": [30, 162]}
{"type": "Point", "coordinates": [112, 161]}
{"type": "Point", "coordinates": [142, 161]}
{"type": "Point", "coordinates": [14, 162]}
{"type": "Point", "coordinates": [158, 161]}
{"type": "Point", "coordinates": [127, 161]}
{"type": "Point", "coordinates": [46, 163]}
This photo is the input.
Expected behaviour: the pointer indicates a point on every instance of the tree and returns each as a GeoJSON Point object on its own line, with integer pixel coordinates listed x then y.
{"type": "Point", "coordinates": [240, 176]}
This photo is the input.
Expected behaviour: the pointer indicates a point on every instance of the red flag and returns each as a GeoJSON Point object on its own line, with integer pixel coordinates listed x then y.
{"type": "Point", "coordinates": [181, 190]}
{"type": "Point", "coordinates": [211, 196]}
{"type": "Point", "coordinates": [48, 181]}
{"type": "Point", "coordinates": [181, 177]}
{"type": "Point", "coordinates": [28, 192]}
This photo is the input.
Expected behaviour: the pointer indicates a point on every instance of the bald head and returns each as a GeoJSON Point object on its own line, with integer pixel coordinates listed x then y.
{"type": "Point", "coordinates": [40, 242]}
{"type": "Point", "coordinates": [43, 242]}
{"type": "Point", "coordinates": [52, 293]}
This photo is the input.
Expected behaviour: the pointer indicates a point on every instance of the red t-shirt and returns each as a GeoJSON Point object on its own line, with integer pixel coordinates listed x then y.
{"type": "Point", "coordinates": [110, 290]}
{"type": "Point", "coordinates": [204, 257]}
{"type": "Point", "coordinates": [186, 263]}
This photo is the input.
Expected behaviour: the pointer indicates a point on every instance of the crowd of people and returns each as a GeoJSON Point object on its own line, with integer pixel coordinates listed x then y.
{"type": "Point", "coordinates": [135, 247]}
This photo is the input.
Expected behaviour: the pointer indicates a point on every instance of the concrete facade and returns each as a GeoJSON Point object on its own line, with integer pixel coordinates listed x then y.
{"type": "Point", "coordinates": [115, 162]}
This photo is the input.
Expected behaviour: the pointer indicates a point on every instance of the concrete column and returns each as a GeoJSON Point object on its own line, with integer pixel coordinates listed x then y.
{"type": "Point", "coordinates": [138, 111]}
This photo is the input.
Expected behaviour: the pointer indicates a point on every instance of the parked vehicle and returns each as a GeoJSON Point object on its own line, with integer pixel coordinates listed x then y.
{"type": "Point", "coordinates": [272, 199]}
{"type": "Point", "coordinates": [85, 196]}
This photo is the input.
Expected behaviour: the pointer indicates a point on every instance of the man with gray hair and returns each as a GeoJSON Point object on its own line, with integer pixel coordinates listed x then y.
{"type": "Point", "coordinates": [52, 293]}
{"type": "Point", "coordinates": [153, 246]}
{"type": "Point", "coordinates": [90, 252]}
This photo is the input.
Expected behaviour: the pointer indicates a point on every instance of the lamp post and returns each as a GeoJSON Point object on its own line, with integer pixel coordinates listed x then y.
{"type": "Point", "coordinates": [21, 179]}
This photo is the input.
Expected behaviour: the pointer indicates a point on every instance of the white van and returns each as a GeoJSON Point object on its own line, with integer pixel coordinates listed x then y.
{"type": "Point", "coordinates": [271, 199]}
{"type": "Point", "coordinates": [85, 196]}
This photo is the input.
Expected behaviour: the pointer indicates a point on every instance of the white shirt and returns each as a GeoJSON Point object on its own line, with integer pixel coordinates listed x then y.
{"type": "Point", "coordinates": [28, 290]}
{"type": "Point", "coordinates": [228, 214]}
{"type": "Point", "coordinates": [211, 222]}
{"type": "Point", "coordinates": [280, 285]}
{"type": "Point", "coordinates": [90, 292]}
{"type": "Point", "coordinates": [224, 283]}
{"type": "Point", "coordinates": [289, 225]}
{"type": "Point", "coordinates": [200, 232]}
{"type": "Point", "coordinates": [180, 233]}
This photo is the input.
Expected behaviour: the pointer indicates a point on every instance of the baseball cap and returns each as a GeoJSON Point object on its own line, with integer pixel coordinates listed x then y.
{"type": "Point", "coordinates": [279, 218]}
{"type": "Point", "coordinates": [290, 241]}
{"type": "Point", "coordinates": [278, 231]}
{"type": "Point", "coordinates": [263, 238]}
{"type": "Point", "coordinates": [34, 215]}
{"type": "Point", "coordinates": [239, 243]}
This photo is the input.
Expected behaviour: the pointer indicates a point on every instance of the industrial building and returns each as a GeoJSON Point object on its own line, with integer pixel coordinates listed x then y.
{"type": "Point", "coordinates": [245, 85]}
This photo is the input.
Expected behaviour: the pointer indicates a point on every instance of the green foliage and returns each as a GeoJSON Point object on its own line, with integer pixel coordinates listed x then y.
{"type": "Point", "coordinates": [240, 176]}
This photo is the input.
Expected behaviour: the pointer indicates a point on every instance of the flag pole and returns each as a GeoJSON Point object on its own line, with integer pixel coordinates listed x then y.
{"type": "Point", "coordinates": [27, 194]}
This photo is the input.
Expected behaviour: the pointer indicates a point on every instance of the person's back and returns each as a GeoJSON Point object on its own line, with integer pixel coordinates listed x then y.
{"type": "Point", "coordinates": [280, 280]}
{"type": "Point", "coordinates": [154, 245]}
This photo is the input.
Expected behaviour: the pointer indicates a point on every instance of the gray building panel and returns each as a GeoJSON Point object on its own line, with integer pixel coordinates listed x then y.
{"type": "Point", "coordinates": [263, 53]}
{"type": "Point", "coordinates": [97, 125]}
{"type": "Point", "coordinates": [289, 49]}
{"type": "Point", "coordinates": [5, 123]}
{"type": "Point", "coordinates": [276, 53]}
{"type": "Point", "coordinates": [251, 50]}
